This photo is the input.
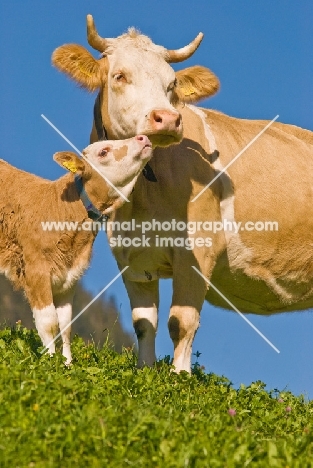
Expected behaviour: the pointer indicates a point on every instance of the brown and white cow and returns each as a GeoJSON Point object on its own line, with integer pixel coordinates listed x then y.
{"type": "Point", "coordinates": [259, 272]}
{"type": "Point", "coordinates": [47, 262]}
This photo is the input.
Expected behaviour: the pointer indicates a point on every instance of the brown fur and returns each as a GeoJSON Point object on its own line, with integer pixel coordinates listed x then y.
{"type": "Point", "coordinates": [275, 175]}
{"type": "Point", "coordinates": [78, 64]}
{"type": "Point", "coordinates": [47, 264]}
{"type": "Point", "coordinates": [120, 153]}
{"type": "Point", "coordinates": [196, 83]}
{"type": "Point", "coordinates": [29, 256]}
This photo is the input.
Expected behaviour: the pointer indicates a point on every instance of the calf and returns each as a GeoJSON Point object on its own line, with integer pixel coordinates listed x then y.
{"type": "Point", "coordinates": [47, 264]}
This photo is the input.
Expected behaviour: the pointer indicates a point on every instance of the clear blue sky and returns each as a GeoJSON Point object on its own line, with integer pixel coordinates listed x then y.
{"type": "Point", "coordinates": [262, 53]}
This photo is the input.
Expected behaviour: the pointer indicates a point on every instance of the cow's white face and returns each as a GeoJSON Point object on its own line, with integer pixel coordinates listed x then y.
{"type": "Point", "coordinates": [140, 92]}
{"type": "Point", "coordinates": [137, 97]}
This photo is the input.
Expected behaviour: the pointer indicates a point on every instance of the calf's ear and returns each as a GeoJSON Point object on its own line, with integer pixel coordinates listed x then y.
{"type": "Point", "coordinates": [196, 83]}
{"type": "Point", "coordinates": [69, 161]}
{"type": "Point", "coordinates": [76, 62]}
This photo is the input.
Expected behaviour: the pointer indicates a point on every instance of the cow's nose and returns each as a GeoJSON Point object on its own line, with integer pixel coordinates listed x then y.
{"type": "Point", "coordinates": [143, 139]}
{"type": "Point", "coordinates": [165, 120]}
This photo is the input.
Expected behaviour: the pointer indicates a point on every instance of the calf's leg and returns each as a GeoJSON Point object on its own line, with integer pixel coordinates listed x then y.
{"type": "Point", "coordinates": [63, 304]}
{"type": "Point", "coordinates": [39, 295]}
{"type": "Point", "coordinates": [46, 321]}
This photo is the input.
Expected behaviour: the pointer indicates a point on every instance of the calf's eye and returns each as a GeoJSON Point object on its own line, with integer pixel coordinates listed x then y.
{"type": "Point", "coordinates": [103, 152]}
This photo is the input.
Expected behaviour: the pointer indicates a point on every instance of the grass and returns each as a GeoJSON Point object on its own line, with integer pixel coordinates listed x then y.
{"type": "Point", "coordinates": [103, 412]}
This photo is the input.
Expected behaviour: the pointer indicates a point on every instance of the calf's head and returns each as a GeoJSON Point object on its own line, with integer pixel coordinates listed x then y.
{"type": "Point", "coordinates": [140, 92]}
{"type": "Point", "coordinates": [109, 168]}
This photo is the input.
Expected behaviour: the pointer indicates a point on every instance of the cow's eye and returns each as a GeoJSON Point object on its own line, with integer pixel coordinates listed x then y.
{"type": "Point", "coordinates": [120, 78]}
{"type": "Point", "coordinates": [172, 85]}
{"type": "Point", "coordinates": [103, 152]}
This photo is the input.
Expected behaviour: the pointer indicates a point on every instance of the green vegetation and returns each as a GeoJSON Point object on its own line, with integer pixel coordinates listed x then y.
{"type": "Point", "coordinates": [102, 318]}
{"type": "Point", "coordinates": [103, 412]}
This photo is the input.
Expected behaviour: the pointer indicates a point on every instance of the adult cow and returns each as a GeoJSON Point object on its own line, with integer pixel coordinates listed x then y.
{"type": "Point", "coordinates": [259, 272]}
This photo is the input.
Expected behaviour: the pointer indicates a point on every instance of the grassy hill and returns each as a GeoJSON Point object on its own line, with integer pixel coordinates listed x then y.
{"type": "Point", "coordinates": [101, 318]}
{"type": "Point", "coordinates": [103, 412]}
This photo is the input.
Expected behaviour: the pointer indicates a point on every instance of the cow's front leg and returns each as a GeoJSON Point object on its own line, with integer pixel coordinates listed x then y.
{"type": "Point", "coordinates": [189, 291]}
{"type": "Point", "coordinates": [144, 300]}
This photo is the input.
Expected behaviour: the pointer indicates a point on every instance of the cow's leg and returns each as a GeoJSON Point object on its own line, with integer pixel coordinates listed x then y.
{"type": "Point", "coordinates": [189, 291]}
{"type": "Point", "coordinates": [63, 305]}
{"type": "Point", "coordinates": [144, 300]}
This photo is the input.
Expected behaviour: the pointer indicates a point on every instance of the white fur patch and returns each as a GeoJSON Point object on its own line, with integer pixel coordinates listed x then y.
{"type": "Point", "coordinates": [46, 321]}
{"type": "Point", "coordinates": [64, 313]}
{"type": "Point", "coordinates": [146, 351]}
{"type": "Point", "coordinates": [236, 251]}
{"type": "Point", "coordinates": [129, 106]}
{"type": "Point", "coordinates": [71, 277]}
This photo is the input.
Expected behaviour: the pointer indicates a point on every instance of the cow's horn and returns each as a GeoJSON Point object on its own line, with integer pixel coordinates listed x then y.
{"type": "Point", "coordinates": [94, 40]}
{"type": "Point", "coordinates": [179, 55]}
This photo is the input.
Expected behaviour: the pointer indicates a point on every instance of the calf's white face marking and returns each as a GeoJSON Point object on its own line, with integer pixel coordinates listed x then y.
{"type": "Point", "coordinates": [120, 161]}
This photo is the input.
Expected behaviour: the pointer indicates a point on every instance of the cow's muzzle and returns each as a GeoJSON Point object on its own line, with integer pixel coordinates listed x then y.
{"type": "Point", "coordinates": [165, 120]}
{"type": "Point", "coordinates": [165, 127]}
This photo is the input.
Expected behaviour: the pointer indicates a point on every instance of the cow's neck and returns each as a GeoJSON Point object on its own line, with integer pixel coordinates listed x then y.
{"type": "Point", "coordinates": [101, 131]}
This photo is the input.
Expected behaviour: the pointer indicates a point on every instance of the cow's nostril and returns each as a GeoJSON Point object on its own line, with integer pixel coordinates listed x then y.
{"type": "Point", "coordinates": [165, 120]}
{"type": "Point", "coordinates": [139, 137]}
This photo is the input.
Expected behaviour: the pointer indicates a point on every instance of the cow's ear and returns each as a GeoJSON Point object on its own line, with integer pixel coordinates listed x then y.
{"type": "Point", "coordinates": [196, 83]}
{"type": "Point", "coordinates": [78, 64]}
{"type": "Point", "coordinates": [70, 161]}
